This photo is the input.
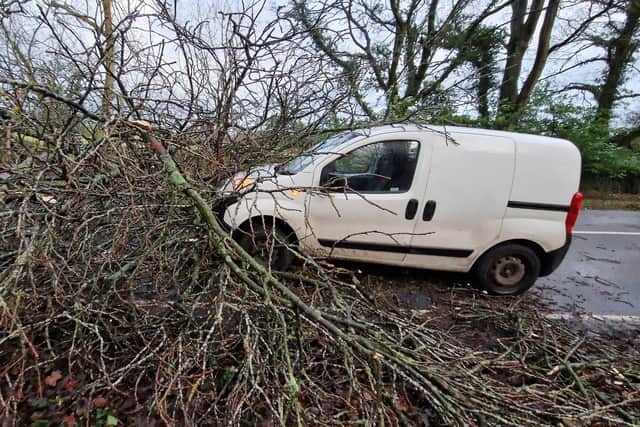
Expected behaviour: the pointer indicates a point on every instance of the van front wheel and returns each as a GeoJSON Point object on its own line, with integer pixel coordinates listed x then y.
{"type": "Point", "coordinates": [269, 245]}
{"type": "Point", "coordinates": [509, 269]}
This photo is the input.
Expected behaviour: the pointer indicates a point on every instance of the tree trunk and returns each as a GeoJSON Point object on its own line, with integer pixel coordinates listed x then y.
{"type": "Point", "coordinates": [485, 84]}
{"type": "Point", "coordinates": [108, 58]}
{"type": "Point", "coordinates": [541, 55]}
{"type": "Point", "coordinates": [523, 23]}
{"type": "Point", "coordinates": [619, 56]}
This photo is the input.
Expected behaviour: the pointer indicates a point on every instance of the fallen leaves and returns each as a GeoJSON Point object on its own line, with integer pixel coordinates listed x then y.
{"type": "Point", "coordinates": [100, 402]}
{"type": "Point", "coordinates": [69, 421]}
{"type": "Point", "coordinates": [402, 405]}
{"type": "Point", "coordinates": [53, 378]}
{"type": "Point", "coordinates": [70, 384]}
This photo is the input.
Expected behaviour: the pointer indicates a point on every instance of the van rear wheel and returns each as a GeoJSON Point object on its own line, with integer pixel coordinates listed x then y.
{"type": "Point", "coordinates": [509, 269]}
{"type": "Point", "coordinates": [268, 244]}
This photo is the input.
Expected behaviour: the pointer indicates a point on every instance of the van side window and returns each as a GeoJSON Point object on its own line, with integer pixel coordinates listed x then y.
{"type": "Point", "coordinates": [378, 167]}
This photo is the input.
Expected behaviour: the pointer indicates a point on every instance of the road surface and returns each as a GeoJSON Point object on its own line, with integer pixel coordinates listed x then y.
{"type": "Point", "coordinates": [599, 279]}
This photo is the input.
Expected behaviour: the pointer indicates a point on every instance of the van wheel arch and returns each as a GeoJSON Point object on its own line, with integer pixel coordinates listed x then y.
{"type": "Point", "coordinates": [528, 243]}
{"type": "Point", "coordinates": [259, 220]}
{"type": "Point", "coordinates": [509, 268]}
{"type": "Point", "coordinates": [268, 240]}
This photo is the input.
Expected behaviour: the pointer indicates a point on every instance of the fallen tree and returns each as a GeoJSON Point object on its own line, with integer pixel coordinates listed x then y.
{"type": "Point", "coordinates": [125, 302]}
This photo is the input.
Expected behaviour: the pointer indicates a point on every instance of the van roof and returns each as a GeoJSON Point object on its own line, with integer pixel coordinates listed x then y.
{"type": "Point", "coordinates": [546, 170]}
{"type": "Point", "coordinates": [411, 127]}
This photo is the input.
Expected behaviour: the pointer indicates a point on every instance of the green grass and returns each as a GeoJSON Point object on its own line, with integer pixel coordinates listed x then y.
{"type": "Point", "coordinates": [611, 201]}
{"type": "Point", "coordinates": [627, 205]}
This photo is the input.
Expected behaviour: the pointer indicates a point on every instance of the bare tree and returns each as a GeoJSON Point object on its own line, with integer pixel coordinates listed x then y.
{"type": "Point", "coordinates": [109, 53]}
{"type": "Point", "coordinates": [402, 53]}
{"type": "Point", "coordinates": [620, 51]}
{"type": "Point", "coordinates": [523, 24]}
{"type": "Point", "coordinates": [124, 301]}
{"type": "Point", "coordinates": [614, 36]}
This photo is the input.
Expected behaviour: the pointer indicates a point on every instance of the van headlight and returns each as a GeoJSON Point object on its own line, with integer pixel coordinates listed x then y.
{"type": "Point", "coordinates": [238, 184]}
{"type": "Point", "coordinates": [242, 183]}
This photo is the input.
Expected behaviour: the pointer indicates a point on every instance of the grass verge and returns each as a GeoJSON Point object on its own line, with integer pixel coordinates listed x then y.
{"type": "Point", "coordinates": [610, 201]}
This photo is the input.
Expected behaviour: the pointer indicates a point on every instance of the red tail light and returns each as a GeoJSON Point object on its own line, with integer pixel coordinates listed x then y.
{"type": "Point", "coordinates": [574, 210]}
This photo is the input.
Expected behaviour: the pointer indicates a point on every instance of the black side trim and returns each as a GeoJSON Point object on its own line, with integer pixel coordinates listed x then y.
{"type": "Point", "coordinates": [455, 253]}
{"type": "Point", "coordinates": [537, 206]}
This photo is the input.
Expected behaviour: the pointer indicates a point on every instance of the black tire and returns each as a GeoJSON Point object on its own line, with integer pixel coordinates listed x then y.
{"type": "Point", "coordinates": [509, 269]}
{"type": "Point", "coordinates": [267, 242]}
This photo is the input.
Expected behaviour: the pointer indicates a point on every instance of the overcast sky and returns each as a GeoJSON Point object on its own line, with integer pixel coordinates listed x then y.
{"type": "Point", "coordinates": [560, 69]}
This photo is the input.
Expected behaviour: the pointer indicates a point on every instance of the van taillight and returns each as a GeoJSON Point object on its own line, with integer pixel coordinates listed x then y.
{"type": "Point", "coordinates": [574, 210]}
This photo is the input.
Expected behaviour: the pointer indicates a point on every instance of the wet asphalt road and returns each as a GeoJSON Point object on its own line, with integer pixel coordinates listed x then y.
{"type": "Point", "coordinates": [600, 276]}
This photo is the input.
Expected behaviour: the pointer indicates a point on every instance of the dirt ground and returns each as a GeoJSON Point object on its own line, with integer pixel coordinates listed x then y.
{"type": "Point", "coordinates": [452, 302]}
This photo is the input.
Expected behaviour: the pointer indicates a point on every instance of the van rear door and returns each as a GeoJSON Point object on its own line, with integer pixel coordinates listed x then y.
{"type": "Point", "coordinates": [465, 200]}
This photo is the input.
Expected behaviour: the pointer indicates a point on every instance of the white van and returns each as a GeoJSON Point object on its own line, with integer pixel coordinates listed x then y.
{"type": "Point", "coordinates": [498, 204]}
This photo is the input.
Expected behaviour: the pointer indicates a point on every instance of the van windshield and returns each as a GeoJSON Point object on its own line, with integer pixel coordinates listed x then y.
{"type": "Point", "coordinates": [327, 146]}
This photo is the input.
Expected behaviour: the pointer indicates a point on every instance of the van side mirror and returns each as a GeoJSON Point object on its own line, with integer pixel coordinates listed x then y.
{"type": "Point", "coordinates": [330, 180]}
{"type": "Point", "coordinates": [336, 182]}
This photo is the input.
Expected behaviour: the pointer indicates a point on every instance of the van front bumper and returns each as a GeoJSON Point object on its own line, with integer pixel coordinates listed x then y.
{"type": "Point", "coordinates": [220, 208]}
{"type": "Point", "coordinates": [554, 258]}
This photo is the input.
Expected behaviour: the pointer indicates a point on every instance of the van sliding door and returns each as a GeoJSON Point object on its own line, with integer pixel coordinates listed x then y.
{"type": "Point", "coordinates": [465, 200]}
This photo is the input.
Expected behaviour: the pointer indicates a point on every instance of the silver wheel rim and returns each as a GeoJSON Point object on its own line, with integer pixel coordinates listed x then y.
{"type": "Point", "coordinates": [508, 271]}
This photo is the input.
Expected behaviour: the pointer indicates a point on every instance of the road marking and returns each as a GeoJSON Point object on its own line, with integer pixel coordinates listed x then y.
{"type": "Point", "coordinates": [614, 233]}
{"type": "Point", "coordinates": [601, 317]}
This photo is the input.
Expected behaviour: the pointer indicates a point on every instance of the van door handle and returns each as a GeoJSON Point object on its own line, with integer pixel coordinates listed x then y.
{"type": "Point", "coordinates": [429, 210]}
{"type": "Point", "coordinates": [412, 208]}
